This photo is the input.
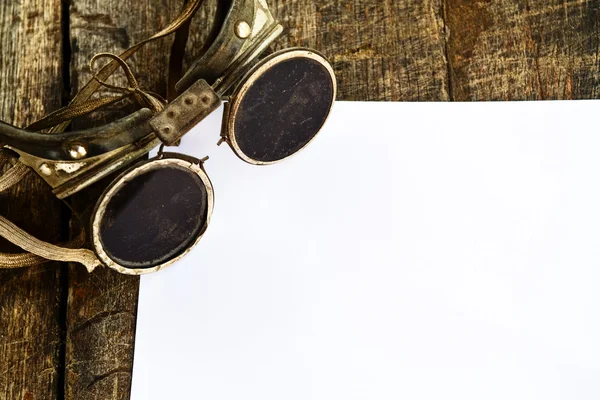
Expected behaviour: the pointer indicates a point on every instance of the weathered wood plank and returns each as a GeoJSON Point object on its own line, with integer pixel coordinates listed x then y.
{"type": "Point", "coordinates": [384, 50]}
{"type": "Point", "coordinates": [102, 305]}
{"type": "Point", "coordinates": [518, 50]}
{"type": "Point", "coordinates": [31, 336]}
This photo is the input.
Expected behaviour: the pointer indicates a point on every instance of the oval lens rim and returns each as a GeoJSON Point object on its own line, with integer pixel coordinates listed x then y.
{"type": "Point", "coordinates": [251, 77]}
{"type": "Point", "coordinates": [119, 182]}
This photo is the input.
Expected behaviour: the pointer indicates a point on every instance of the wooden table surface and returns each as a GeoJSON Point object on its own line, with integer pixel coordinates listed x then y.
{"type": "Point", "coordinates": [65, 333]}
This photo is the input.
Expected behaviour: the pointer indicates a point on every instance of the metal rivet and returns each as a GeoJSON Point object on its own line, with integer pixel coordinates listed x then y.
{"type": "Point", "coordinates": [205, 99]}
{"type": "Point", "coordinates": [171, 114]}
{"type": "Point", "coordinates": [189, 100]}
{"type": "Point", "coordinates": [77, 151]}
{"type": "Point", "coordinates": [166, 130]}
{"type": "Point", "coordinates": [242, 30]}
{"type": "Point", "coordinates": [45, 169]}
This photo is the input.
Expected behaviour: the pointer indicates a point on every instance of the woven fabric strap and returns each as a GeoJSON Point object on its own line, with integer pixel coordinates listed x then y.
{"type": "Point", "coordinates": [45, 250]}
{"type": "Point", "coordinates": [13, 176]}
{"type": "Point", "coordinates": [18, 260]}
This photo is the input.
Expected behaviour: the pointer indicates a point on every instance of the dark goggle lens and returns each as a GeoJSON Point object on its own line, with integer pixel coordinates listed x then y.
{"type": "Point", "coordinates": [152, 215]}
{"type": "Point", "coordinates": [281, 106]}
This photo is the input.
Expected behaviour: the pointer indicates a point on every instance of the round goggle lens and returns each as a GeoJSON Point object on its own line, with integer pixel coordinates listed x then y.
{"type": "Point", "coordinates": [152, 215]}
{"type": "Point", "coordinates": [282, 106]}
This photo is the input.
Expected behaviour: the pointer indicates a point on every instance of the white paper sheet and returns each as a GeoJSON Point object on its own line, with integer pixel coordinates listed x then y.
{"type": "Point", "coordinates": [413, 251]}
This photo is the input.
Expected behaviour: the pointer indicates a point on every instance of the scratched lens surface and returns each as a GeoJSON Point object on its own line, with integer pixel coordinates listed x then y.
{"type": "Point", "coordinates": [154, 217]}
{"type": "Point", "coordinates": [284, 109]}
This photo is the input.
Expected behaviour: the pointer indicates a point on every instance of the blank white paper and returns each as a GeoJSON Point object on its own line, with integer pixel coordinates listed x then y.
{"type": "Point", "coordinates": [414, 251]}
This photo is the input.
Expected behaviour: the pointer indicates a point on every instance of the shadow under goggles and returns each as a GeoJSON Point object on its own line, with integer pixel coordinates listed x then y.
{"type": "Point", "coordinates": [156, 210]}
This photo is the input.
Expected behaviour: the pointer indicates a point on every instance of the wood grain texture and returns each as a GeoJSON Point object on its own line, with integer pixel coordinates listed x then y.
{"type": "Point", "coordinates": [383, 50]}
{"type": "Point", "coordinates": [523, 49]}
{"type": "Point", "coordinates": [31, 334]}
{"type": "Point", "coordinates": [102, 306]}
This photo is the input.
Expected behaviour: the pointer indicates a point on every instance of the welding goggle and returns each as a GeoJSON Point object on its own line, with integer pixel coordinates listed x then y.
{"type": "Point", "coordinates": [156, 210]}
